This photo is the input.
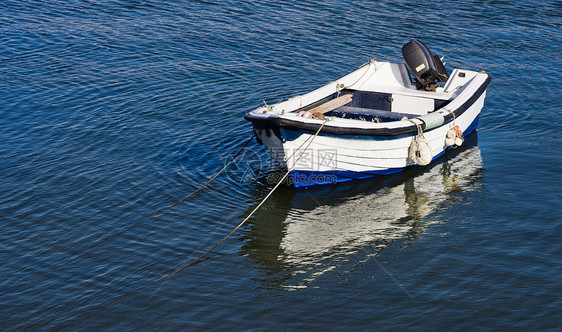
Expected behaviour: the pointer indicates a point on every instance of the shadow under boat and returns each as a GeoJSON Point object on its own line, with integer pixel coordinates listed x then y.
{"type": "Point", "coordinates": [297, 234]}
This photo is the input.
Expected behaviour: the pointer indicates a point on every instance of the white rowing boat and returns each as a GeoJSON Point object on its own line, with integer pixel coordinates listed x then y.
{"type": "Point", "coordinates": [374, 121]}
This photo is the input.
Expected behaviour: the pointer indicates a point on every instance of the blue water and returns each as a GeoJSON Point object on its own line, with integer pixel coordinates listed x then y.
{"type": "Point", "coordinates": [110, 111]}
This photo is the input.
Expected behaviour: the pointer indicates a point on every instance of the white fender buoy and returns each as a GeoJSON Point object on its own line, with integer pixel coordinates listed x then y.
{"type": "Point", "coordinates": [451, 133]}
{"type": "Point", "coordinates": [420, 151]}
{"type": "Point", "coordinates": [454, 137]}
{"type": "Point", "coordinates": [458, 141]}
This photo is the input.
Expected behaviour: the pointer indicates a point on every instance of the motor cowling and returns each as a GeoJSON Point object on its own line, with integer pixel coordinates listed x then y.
{"type": "Point", "coordinates": [428, 70]}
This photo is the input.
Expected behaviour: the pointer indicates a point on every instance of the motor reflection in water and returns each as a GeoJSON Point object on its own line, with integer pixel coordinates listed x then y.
{"type": "Point", "coordinates": [300, 235]}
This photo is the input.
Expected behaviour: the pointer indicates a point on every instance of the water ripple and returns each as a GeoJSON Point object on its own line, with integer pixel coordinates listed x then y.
{"type": "Point", "coordinates": [112, 111]}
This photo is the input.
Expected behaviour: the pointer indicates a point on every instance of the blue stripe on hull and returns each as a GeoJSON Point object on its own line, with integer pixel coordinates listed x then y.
{"type": "Point", "coordinates": [307, 179]}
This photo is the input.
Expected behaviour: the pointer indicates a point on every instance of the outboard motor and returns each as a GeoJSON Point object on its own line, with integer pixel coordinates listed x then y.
{"type": "Point", "coordinates": [427, 68]}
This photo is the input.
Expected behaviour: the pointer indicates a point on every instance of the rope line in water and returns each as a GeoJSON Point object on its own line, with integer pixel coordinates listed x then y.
{"type": "Point", "coordinates": [253, 211]}
{"type": "Point", "coordinates": [288, 158]}
{"type": "Point", "coordinates": [170, 275]}
{"type": "Point", "coordinates": [211, 179]}
{"type": "Point", "coordinates": [108, 238]}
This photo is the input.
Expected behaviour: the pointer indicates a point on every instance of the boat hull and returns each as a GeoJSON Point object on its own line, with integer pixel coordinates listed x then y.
{"type": "Point", "coordinates": [332, 158]}
{"type": "Point", "coordinates": [303, 179]}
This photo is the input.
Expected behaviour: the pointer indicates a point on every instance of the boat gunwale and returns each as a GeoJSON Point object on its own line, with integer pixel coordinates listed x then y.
{"type": "Point", "coordinates": [276, 121]}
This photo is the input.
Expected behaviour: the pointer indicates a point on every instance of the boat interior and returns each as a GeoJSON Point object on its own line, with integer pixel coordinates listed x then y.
{"type": "Point", "coordinates": [379, 106]}
{"type": "Point", "coordinates": [397, 91]}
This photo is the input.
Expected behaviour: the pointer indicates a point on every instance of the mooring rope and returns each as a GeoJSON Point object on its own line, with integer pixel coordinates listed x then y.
{"type": "Point", "coordinates": [170, 275]}
{"type": "Point", "coordinates": [253, 211]}
{"type": "Point", "coordinates": [132, 226]}
{"type": "Point", "coordinates": [340, 87]}
{"type": "Point", "coordinates": [211, 179]}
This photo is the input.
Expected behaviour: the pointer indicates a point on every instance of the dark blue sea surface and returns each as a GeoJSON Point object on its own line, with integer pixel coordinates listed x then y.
{"type": "Point", "coordinates": [110, 111]}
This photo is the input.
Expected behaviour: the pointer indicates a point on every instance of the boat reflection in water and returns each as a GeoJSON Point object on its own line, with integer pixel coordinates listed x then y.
{"type": "Point", "coordinates": [299, 235]}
